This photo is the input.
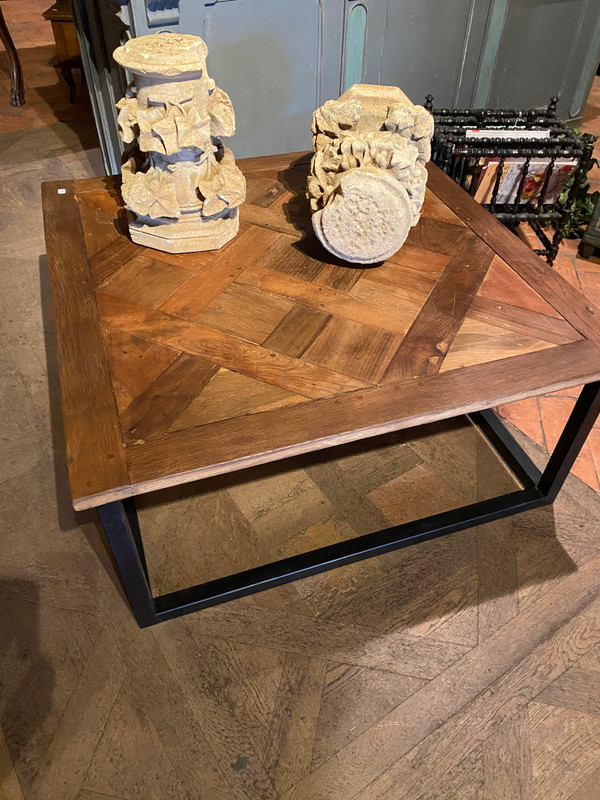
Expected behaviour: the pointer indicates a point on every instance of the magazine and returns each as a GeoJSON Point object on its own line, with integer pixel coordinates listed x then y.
{"type": "Point", "coordinates": [512, 171]}
{"type": "Point", "coordinates": [506, 133]}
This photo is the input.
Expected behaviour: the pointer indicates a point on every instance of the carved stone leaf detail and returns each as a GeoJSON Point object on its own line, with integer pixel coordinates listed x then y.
{"type": "Point", "coordinates": [221, 113]}
{"type": "Point", "coordinates": [181, 184]}
{"type": "Point", "coordinates": [127, 118]}
{"type": "Point", "coordinates": [226, 188]}
{"type": "Point", "coordinates": [150, 196]}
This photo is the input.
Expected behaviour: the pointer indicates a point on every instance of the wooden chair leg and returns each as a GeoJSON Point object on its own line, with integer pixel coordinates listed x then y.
{"type": "Point", "coordinates": [17, 89]}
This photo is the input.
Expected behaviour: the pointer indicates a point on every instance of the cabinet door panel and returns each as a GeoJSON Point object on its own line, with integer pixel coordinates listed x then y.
{"type": "Point", "coordinates": [541, 53]}
{"type": "Point", "coordinates": [266, 55]}
{"type": "Point", "coordinates": [434, 47]}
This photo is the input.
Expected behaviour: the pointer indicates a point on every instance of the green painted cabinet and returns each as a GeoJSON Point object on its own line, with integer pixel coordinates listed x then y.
{"type": "Point", "coordinates": [280, 59]}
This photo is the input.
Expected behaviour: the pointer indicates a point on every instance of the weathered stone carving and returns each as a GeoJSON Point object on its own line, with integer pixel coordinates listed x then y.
{"type": "Point", "coordinates": [367, 178]}
{"type": "Point", "coordinates": [183, 188]}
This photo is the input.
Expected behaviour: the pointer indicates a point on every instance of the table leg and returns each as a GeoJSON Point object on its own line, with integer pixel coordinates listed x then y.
{"type": "Point", "coordinates": [67, 73]}
{"type": "Point", "coordinates": [120, 524]}
{"type": "Point", "coordinates": [17, 90]}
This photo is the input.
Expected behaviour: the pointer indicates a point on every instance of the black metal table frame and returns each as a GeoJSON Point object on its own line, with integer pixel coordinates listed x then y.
{"type": "Point", "coordinates": [120, 523]}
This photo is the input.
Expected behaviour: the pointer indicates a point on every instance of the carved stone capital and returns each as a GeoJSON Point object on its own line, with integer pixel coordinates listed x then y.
{"type": "Point", "coordinates": [367, 178]}
{"type": "Point", "coordinates": [180, 184]}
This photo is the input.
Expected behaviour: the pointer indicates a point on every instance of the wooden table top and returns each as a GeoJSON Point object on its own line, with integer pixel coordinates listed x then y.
{"type": "Point", "coordinates": [178, 367]}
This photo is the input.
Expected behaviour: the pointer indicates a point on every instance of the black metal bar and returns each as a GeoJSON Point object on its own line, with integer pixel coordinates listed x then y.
{"type": "Point", "coordinates": [542, 195]}
{"type": "Point", "coordinates": [548, 247]}
{"type": "Point", "coordinates": [122, 541]}
{"type": "Point", "coordinates": [340, 554]}
{"type": "Point", "coordinates": [134, 524]}
{"type": "Point", "coordinates": [528, 216]}
{"type": "Point", "coordinates": [571, 441]}
{"type": "Point", "coordinates": [450, 138]}
{"type": "Point", "coordinates": [519, 194]}
{"type": "Point", "coordinates": [507, 447]}
{"type": "Point", "coordinates": [120, 523]}
{"type": "Point", "coordinates": [497, 181]}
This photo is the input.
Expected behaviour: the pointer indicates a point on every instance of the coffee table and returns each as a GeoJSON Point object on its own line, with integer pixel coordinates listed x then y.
{"type": "Point", "coordinates": [175, 368]}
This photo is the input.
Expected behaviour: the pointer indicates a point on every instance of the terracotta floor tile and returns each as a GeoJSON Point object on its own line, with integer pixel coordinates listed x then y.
{"type": "Point", "coordinates": [521, 409]}
{"type": "Point", "coordinates": [590, 284]}
{"type": "Point", "coordinates": [585, 468]}
{"type": "Point", "coordinates": [573, 392]}
{"type": "Point", "coordinates": [594, 442]}
{"type": "Point", "coordinates": [569, 246]}
{"type": "Point", "coordinates": [592, 263]}
{"type": "Point", "coordinates": [554, 414]}
{"type": "Point", "coordinates": [531, 428]}
{"type": "Point", "coordinates": [565, 267]}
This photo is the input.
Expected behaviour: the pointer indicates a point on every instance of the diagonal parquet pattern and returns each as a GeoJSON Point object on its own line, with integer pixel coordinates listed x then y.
{"type": "Point", "coordinates": [235, 345]}
{"type": "Point", "coordinates": [463, 668]}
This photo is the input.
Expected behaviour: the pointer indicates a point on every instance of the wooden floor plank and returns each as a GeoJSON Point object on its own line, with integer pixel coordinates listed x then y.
{"type": "Point", "coordinates": [370, 756]}
{"type": "Point", "coordinates": [129, 756]}
{"type": "Point", "coordinates": [83, 722]}
{"type": "Point", "coordinates": [509, 694]}
{"type": "Point", "coordinates": [233, 746]}
{"type": "Point", "coordinates": [291, 737]}
{"type": "Point", "coordinates": [351, 644]}
{"type": "Point", "coordinates": [9, 782]}
{"type": "Point", "coordinates": [156, 692]}
{"type": "Point", "coordinates": [374, 693]}
{"type": "Point", "coordinates": [565, 750]}
{"type": "Point", "coordinates": [507, 760]}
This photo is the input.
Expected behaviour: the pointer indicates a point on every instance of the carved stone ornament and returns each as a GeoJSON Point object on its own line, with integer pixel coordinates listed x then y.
{"type": "Point", "coordinates": [367, 178]}
{"type": "Point", "coordinates": [181, 184]}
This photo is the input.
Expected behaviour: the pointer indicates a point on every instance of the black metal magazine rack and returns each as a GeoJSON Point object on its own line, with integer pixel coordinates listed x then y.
{"type": "Point", "coordinates": [465, 158]}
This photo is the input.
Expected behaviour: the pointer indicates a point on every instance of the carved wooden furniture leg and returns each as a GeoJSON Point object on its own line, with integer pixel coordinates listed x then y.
{"type": "Point", "coordinates": [17, 90]}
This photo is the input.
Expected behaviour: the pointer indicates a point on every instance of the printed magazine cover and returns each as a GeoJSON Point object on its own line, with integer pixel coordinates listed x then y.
{"type": "Point", "coordinates": [512, 171]}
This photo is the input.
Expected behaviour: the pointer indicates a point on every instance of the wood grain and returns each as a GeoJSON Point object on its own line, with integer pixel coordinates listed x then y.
{"type": "Point", "coordinates": [108, 261]}
{"type": "Point", "coordinates": [567, 301]}
{"type": "Point", "coordinates": [324, 353]}
{"type": "Point", "coordinates": [292, 733]}
{"type": "Point", "coordinates": [332, 420]}
{"type": "Point", "coordinates": [323, 298]}
{"type": "Point", "coordinates": [218, 274]}
{"type": "Point", "coordinates": [175, 387]}
{"type": "Point", "coordinates": [228, 351]}
{"type": "Point", "coordinates": [430, 337]}
{"type": "Point", "coordinates": [297, 330]}
{"type": "Point", "coordinates": [95, 453]}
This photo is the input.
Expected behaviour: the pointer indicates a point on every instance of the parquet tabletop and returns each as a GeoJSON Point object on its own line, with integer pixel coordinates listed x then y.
{"type": "Point", "coordinates": [178, 367]}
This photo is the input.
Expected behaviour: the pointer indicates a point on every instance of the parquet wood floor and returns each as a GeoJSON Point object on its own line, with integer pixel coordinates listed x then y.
{"type": "Point", "coordinates": [465, 668]}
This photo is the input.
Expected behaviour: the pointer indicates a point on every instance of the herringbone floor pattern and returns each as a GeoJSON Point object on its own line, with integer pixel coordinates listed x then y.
{"type": "Point", "coordinates": [466, 668]}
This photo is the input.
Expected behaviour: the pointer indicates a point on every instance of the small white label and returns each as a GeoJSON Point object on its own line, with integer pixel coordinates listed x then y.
{"type": "Point", "coordinates": [62, 191]}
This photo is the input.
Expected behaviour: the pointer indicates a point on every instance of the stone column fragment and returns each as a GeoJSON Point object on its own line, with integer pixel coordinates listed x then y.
{"type": "Point", "coordinates": [180, 184]}
{"type": "Point", "coordinates": [367, 178]}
